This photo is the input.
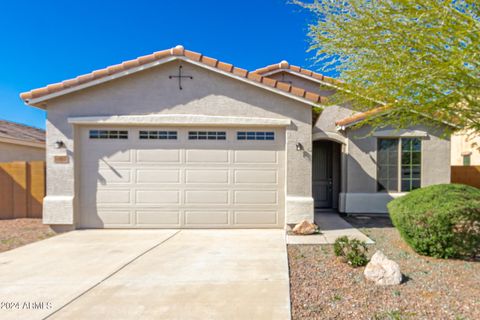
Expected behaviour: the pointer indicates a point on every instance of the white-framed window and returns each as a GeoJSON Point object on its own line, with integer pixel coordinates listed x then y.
{"type": "Point", "coordinates": [108, 134]}
{"type": "Point", "coordinates": [157, 135]}
{"type": "Point", "coordinates": [207, 135]}
{"type": "Point", "coordinates": [255, 135]}
{"type": "Point", "coordinates": [399, 164]}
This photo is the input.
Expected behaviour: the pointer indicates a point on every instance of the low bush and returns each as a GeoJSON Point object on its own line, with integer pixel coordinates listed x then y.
{"type": "Point", "coordinates": [352, 251]}
{"type": "Point", "coordinates": [441, 221]}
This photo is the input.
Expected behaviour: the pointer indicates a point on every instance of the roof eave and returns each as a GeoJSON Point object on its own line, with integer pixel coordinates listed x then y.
{"type": "Point", "coordinates": [37, 102]}
{"type": "Point", "coordinates": [40, 145]}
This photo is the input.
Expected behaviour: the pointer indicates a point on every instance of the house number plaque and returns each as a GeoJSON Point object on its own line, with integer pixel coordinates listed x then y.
{"type": "Point", "coordinates": [61, 159]}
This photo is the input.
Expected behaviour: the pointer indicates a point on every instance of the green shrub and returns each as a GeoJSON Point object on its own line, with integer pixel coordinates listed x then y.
{"type": "Point", "coordinates": [352, 251]}
{"type": "Point", "coordinates": [441, 221]}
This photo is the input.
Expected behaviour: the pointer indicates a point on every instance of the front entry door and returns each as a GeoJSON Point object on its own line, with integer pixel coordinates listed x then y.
{"type": "Point", "coordinates": [322, 174]}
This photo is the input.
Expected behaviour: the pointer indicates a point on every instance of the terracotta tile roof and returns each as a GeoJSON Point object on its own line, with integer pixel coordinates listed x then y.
{"type": "Point", "coordinates": [12, 130]}
{"type": "Point", "coordinates": [284, 65]}
{"type": "Point", "coordinates": [359, 116]}
{"type": "Point", "coordinates": [177, 51]}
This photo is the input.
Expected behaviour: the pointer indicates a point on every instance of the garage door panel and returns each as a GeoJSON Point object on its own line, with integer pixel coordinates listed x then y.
{"type": "Point", "coordinates": [117, 217]}
{"type": "Point", "coordinates": [105, 154]}
{"type": "Point", "coordinates": [255, 197]}
{"type": "Point", "coordinates": [256, 217]}
{"type": "Point", "coordinates": [255, 156]}
{"type": "Point", "coordinates": [157, 217]}
{"type": "Point", "coordinates": [113, 196]}
{"type": "Point", "coordinates": [256, 176]}
{"type": "Point", "coordinates": [206, 217]}
{"type": "Point", "coordinates": [157, 197]}
{"type": "Point", "coordinates": [207, 156]}
{"type": "Point", "coordinates": [158, 156]}
{"type": "Point", "coordinates": [109, 176]}
{"type": "Point", "coordinates": [207, 176]}
{"type": "Point", "coordinates": [154, 183]}
{"type": "Point", "coordinates": [212, 197]}
{"type": "Point", "coordinates": [144, 176]}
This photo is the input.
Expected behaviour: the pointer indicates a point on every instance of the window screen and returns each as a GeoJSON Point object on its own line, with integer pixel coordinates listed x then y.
{"type": "Point", "coordinates": [255, 135]}
{"type": "Point", "coordinates": [158, 135]}
{"type": "Point", "coordinates": [411, 163]}
{"type": "Point", "coordinates": [108, 134]}
{"type": "Point", "coordinates": [387, 165]}
{"type": "Point", "coordinates": [207, 135]}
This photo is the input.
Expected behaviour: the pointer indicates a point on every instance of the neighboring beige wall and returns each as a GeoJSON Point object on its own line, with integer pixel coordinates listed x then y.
{"type": "Point", "coordinates": [14, 152]}
{"type": "Point", "coordinates": [361, 193]}
{"type": "Point", "coordinates": [464, 143]}
{"type": "Point", "coordinates": [152, 92]}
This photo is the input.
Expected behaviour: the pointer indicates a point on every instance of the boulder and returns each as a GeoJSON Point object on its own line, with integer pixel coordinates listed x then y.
{"type": "Point", "coordinates": [305, 228]}
{"type": "Point", "coordinates": [383, 271]}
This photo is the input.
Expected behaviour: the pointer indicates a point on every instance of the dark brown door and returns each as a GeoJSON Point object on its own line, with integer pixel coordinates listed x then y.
{"type": "Point", "coordinates": [322, 174]}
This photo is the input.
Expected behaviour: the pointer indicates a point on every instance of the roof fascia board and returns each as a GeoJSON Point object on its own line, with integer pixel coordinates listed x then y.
{"type": "Point", "coordinates": [260, 85]}
{"type": "Point", "coordinates": [75, 88]}
{"type": "Point", "coordinates": [163, 61]}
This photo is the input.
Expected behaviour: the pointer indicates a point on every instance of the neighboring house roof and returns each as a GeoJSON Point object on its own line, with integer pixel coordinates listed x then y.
{"type": "Point", "coordinates": [286, 67]}
{"type": "Point", "coordinates": [16, 133]}
{"type": "Point", "coordinates": [128, 67]}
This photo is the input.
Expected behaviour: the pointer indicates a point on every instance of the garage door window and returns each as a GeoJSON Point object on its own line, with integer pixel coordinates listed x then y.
{"type": "Point", "coordinates": [108, 134]}
{"type": "Point", "coordinates": [207, 135]}
{"type": "Point", "coordinates": [158, 135]}
{"type": "Point", "coordinates": [255, 135]}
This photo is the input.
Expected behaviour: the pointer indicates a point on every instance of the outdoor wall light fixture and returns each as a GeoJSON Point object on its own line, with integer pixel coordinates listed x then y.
{"type": "Point", "coordinates": [299, 146]}
{"type": "Point", "coordinates": [59, 144]}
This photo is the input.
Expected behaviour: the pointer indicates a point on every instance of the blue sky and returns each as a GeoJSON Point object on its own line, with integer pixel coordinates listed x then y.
{"type": "Point", "coordinates": [43, 42]}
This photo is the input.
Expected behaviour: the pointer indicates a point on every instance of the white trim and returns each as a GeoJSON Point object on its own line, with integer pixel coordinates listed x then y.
{"type": "Point", "coordinates": [325, 135]}
{"type": "Point", "coordinates": [400, 133]}
{"type": "Point", "coordinates": [39, 145]}
{"type": "Point", "coordinates": [35, 101]}
{"type": "Point", "coordinates": [180, 119]}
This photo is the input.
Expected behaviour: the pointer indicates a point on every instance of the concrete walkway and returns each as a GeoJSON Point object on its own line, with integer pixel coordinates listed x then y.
{"type": "Point", "coordinates": [148, 274]}
{"type": "Point", "coordinates": [331, 226]}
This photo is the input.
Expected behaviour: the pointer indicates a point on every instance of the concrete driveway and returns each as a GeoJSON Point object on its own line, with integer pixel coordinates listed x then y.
{"type": "Point", "coordinates": [148, 274]}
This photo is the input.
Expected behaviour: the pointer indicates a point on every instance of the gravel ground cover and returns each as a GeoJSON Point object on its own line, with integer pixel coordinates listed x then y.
{"type": "Point", "coordinates": [322, 287]}
{"type": "Point", "coordinates": [18, 232]}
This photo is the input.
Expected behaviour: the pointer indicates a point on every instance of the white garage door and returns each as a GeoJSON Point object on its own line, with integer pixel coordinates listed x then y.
{"type": "Point", "coordinates": [135, 177]}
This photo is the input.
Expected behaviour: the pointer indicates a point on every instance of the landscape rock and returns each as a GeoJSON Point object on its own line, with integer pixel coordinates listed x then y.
{"type": "Point", "coordinates": [305, 228]}
{"type": "Point", "coordinates": [382, 270]}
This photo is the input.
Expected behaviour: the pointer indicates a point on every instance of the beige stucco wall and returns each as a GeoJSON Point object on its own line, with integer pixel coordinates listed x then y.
{"type": "Point", "coordinates": [361, 170]}
{"type": "Point", "coordinates": [152, 92]}
{"type": "Point", "coordinates": [14, 152]}
{"type": "Point", "coordinates": [464, 143]}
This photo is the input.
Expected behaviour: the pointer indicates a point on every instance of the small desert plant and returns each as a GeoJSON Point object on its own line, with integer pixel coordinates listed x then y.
{"type": "Point", "coordinates": [352, 251]}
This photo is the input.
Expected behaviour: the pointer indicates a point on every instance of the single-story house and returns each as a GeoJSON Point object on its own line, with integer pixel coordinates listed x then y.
{"type": "Point", "coordinates": [177, 139]}
{"type": "Point", "coordinates": [19, 142]}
